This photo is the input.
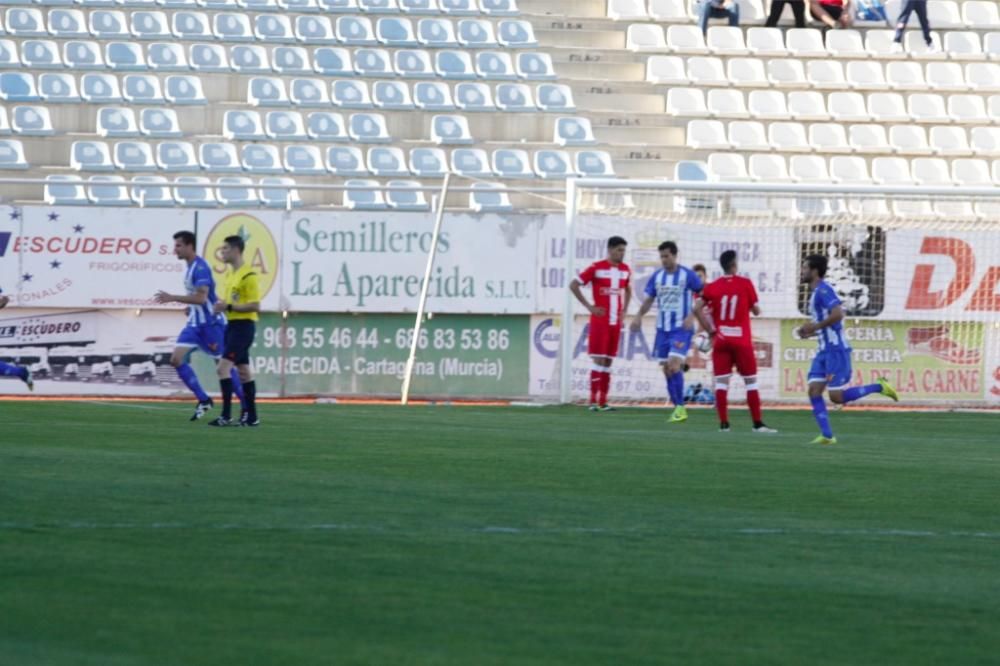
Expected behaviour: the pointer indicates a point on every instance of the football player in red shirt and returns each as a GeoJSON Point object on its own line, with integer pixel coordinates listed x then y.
{"type": "Point", "coordinates": [730, 301]}
{"type": "Point", "coordinates": [611, 286]}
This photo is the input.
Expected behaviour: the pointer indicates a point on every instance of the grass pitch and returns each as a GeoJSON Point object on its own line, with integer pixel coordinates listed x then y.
{"type": "Point", "coordinates": [480, 536]}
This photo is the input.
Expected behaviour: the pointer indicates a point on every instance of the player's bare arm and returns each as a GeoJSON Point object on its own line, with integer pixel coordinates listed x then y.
{"type": "Point", "coordinates": [574, 287]}
{"type": "Point", "coordinates": [628, 299]}
{"type": "Point", "coordinates": [647, 303]}
{"type": "Point", "coordinates": [810, 329]}
{"type": "Point", "coordinates": [698, 312]}
{"type": "Point", "coordinates": [4, 300]}
{"type": "Point", "coordinates": [755, 309]}
{"type": "Point", "coordinates": [199, 297]}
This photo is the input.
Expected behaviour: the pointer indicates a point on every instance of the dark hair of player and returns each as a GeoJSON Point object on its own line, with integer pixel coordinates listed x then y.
{"type": "Point", "coordinates": [727, 259]}
{"type": "Point", "coordinates": [186, 237]}
{"type": "Point", "coordinates": [668, 245]}
{"type": "Point", "coordinates": [699, 268]}
{"type": "Point", "coordinates": [235, 241]}
{"type": "Point", "coordinates": [616, 241]}
{"type": "Point", "coordinates": [817, 262]}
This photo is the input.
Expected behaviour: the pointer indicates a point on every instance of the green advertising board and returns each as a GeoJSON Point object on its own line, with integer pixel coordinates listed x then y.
{"type": "Point", "coordinates": [460, 356]}
{"type": "Point", "coordinates": [924, 360]}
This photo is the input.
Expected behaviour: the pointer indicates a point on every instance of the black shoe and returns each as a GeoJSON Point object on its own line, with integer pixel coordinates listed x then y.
{"type": "Point", "coordinates": [250, 423]}
{"type": "Point", "coordinates": [220, 422]}
{"type": "Point", "coordinates": [724, 427]}
{"type": "Point", "coordinates": [201, 409]}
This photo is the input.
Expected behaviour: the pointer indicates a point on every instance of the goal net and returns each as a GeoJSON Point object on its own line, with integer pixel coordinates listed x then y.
{"type": "Point", "coordinates": [917, 270]}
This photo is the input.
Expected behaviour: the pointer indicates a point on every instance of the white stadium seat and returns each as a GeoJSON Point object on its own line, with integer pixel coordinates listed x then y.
{"type": "Point", "coordinates": [31, 121]}
{"type": "Point", "coordinates": [117, 121]}
{"type": "Point", "coordinates": [887, 107]}
{"type": "Point", "coordinates": [593, 164]}
{"type": "Point", "coordinates": [669, 11]}
{"type": "Point", "coordinates": [706, 71]}
{"type": "Point", "coordinates": [160, 123]}
{"type": "Point", "coordinates": [368, 128]}
{"type": "Point", "coordinates": [979, 14]}
{"type": "Point", "coordinates": [707, 135]}
{"type": "Point", "coordinates": [963, 46]}
{"type": "Point", "coordinates": [236, 191]}
{"type": "Point", "coordinates": [669, 70]}
{"type": "Point", "coordinates": [983, 76]}
{"type": "Point", "coordinates": [726, 103]}
{"type": "Point", "coordinates": [766, 168]}
{"type": "Point", "coordinates": [473, 96]}
{"type": "Point", "coordinates": [848, 106]}
{"type": "Point", "coordinates": [826, 74]}
{"type": "Point", "coordinates": [748, 135]}
{"type": "Point", "coordinates": [905, 76]}
{"type": "Point", "coordinates": [747, 73]}
{"type": "Point", "coordinates": [645, 37]}
{"type": "Point", "coordinates": [849, 170]}
{"type": "Point", "coordinates": [909, 140]}
{"type": "Point", "coordinates": [90, 156]}
{"type": "Point", "coordinates": [788, 137]}
{"type": "Point", "coordinates": [945, 76]}
{"type": "Point", "coordinates": [969, 109]}
{"type": "Point", "coordinates": [324, 126]}
{"type": "Point", "coordinates": [868, 139]}
{"type": "Point", "coordinates": [686, 39]}
{"type": "Point", "coordinates": [808, 169]}
{"type": "Point", "coordinates": [686, 102]}
{"type": "Point", "coordinates": [134, 156]}
{"type": "Point", "coordinates": [728, 168]}
{"type": "Point", "coordinates": [387, 161]}
{"type": "Point", "coordinates": [476, 34]}
{"type": "Point", "coordinates": [471, 162]}
{"type": "Point", "coordinates": [866, 75]}
{"type": "Point", "coordinates": [805, 43]}
{"type": "Point", "coordinates": [807, 105]}
{"type": "Point", "coordinates": [928, 108]}
{"type": "Point", "coordinates": [489, 197]}
{"type": "Point", "coordinates": [985, 141]}
{"type": "Point", "coordinates": [261, 158]}
{"type": "Point", "coordinates": [511, 163]}
{"type": "Point", "coordinates": [108, 191]}
{"type": "Point", "coordinates": [626, 10]}
{"type": "Point", "coordinates": [786, 73]}
{"type": "Point", "coordinates": [552, 164]}
{"type": "Point", "coordinates": [768, 105]}
{"type": "Point", "coordinates": [726, 40]}
{"type": "Point", "coordinates": [766, 42]}
{"type": "Point", "coordinates": [845, 44]}
{"type": "Point", "coordinates": [829, 138]}
{"type": "Point", "coordinates": [880, 45]}
{"type": "Point", "coordinates": [393, 95]}
{"type": "Point", "coordinates": [949, 141]}
{"type": "Point", "coordinates": [436, 96]}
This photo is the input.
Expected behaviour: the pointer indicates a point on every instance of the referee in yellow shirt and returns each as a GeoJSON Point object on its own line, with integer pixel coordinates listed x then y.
{"type": "Point", "coordinates": [240, 301]}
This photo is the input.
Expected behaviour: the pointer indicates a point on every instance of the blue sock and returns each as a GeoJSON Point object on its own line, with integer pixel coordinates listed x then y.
{"type": "Point", "coordinates": [8, 370]}
{"type": "Point", "coordinates": [670, 387]}
{"type": "Point", "coordinates": [858, 392]}
{"type": "Point", "coordinates": [822, 418]}
{"type": "Point", "coordinates": [238, 387]}
{"type": "Point", "coordinates": [678, 379]}
{"type": "Point", "coordinates": [186, 373]}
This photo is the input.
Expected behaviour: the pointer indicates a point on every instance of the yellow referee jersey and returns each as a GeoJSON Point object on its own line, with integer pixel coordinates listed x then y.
{"type": "Point", "coordinates": [242, 287]}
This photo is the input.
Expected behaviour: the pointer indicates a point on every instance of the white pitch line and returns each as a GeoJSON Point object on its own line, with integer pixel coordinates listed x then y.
{"type": "Point", "coordinates": [502, 530]}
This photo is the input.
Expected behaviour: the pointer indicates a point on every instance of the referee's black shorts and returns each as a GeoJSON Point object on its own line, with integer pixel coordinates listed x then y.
{"type": "Point", "coordinates": [239, 339]}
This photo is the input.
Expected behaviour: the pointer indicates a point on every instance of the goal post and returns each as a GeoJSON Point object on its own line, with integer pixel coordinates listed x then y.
{"type": "Point", "coordinates": [917, 269]}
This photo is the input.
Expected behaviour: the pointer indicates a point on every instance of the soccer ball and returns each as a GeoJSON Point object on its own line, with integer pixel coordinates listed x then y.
{"type": "Point", "coordinates": [703, 342]}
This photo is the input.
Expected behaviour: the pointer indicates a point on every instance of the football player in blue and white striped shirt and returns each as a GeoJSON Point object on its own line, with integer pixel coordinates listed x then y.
{"type": "Point", "coordinates": [831, 368]}
{"type": "Point", "coordinates": [205, 329]}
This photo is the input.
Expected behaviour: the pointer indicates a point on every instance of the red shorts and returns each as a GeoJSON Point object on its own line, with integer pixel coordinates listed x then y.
{"type": "Point", "coordinates": [603, 338]}
{"type": "Point", "coordinates": [726, 354]}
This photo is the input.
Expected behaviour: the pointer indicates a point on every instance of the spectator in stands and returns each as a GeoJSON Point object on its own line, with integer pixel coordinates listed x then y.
{"type": "Point", "coordinates": [919, 7]}
{"type": "Point", "coordinates": [778, 7]}
{"type": "Point", "coordinates": [719, 9]}
{"type": "Point", "coordinates": [833, 14]}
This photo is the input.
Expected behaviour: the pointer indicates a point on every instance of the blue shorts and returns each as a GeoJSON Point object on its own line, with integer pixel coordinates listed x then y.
{"type": "Point", "coordinates": [208, 338]}
{"type": "Point", "coordinates": [832, 363]}
{"type": "Point", "coordinates": [672, 343]}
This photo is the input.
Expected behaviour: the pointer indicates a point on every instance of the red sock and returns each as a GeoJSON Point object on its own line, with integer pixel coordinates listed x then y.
{"type": "Point", "coordinates": [722, 405]}
{"type": "Point", "coordinates": [605, 385]}
{"type": "Point", "coordinates": [595, 385]}
{"type": "Point", "coordinates": [753, 402]}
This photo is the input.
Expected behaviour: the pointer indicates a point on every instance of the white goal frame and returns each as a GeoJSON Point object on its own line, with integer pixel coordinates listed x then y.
{"type": "Point", "coordinates": [575, 186]}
